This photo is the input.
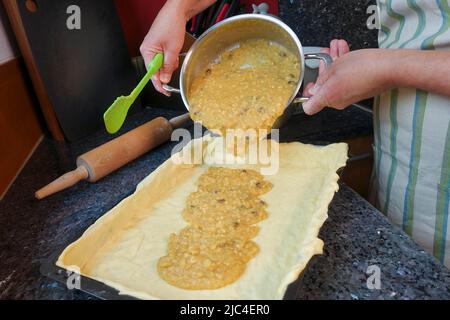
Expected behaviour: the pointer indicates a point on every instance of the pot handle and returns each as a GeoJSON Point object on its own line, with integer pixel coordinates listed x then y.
{"type": "Point", "coordinates": [326, 58]}
{"type": "Point", "coordinates": [171, 89]}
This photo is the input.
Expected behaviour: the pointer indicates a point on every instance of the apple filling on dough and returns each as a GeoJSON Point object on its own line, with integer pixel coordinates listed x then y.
{"type": "Point", "coordinates": [213, 251]}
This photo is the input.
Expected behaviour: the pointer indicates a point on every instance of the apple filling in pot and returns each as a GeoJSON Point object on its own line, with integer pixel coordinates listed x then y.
{"type": "Point", "coordinates": [248, 87]}
{"type": "Point", "coordinates": [214, 250]}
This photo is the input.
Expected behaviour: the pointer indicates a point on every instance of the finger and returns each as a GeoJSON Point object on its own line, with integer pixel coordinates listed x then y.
{"type": "Point", "coordinates": [148, 56]}
{"type": "Point", "coordinates": [334, 49]}
{"type": "Point", "coordinates": [343, 48]}
{"type": "Point", "coordinates": [171, 60]}
{"type": "Point", "coordinates": [158, 85]}
{"type": "Point", "coordinates": [322, 64]}
{"type": "Point", "coordinates": [306, 91]}
{"type": "Point", "coordinates": [147, 59]}
{"type": "Point", "coordinates": [316, 103]}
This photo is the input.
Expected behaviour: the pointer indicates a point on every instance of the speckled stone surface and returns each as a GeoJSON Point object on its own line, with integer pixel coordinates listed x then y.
{"type": "Point", "coordinates": [330, 125]}
{"type": "Point", "coordinates": [31, 231]}
{"type": "Point", "coordinates": [356, 235]}
{"type": "Point", "coordinates": [317, 22]}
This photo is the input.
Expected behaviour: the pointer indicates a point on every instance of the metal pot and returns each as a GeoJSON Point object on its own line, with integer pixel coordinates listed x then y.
{"type": "Point", "coordinates": [228, 33]}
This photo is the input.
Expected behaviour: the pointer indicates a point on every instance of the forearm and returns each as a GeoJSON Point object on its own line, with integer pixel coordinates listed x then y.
{"type": "Point", "coordinates": [425, 70]}
{"type": "Point", "coordinates": [190, 8]}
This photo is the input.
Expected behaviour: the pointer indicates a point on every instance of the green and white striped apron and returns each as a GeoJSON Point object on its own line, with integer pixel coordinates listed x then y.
{"type": "Point", "coordinates": [411, 182]}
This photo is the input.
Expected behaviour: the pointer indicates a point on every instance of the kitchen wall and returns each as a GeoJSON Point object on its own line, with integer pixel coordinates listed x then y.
{"type": "Point", "coordinates": [8, 50]}
{"type": "Point", "coordinates": [20, 128]}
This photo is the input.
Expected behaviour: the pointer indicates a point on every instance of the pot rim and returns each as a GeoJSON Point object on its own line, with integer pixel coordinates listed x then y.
{"type": "Point", "coordinates": [264, 17]}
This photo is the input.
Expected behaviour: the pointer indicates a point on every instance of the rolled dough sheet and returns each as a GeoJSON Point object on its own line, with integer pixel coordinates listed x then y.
{"type": "Point", "coordinates": [123, 247]}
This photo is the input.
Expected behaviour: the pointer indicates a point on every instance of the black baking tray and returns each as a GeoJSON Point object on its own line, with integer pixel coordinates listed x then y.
{"type": "Point", "coordinates": [102, 291]}
{"type": "Point", "coordinates": [92, 287]}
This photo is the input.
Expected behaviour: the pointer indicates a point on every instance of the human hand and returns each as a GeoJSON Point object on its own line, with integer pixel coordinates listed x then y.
{"type": "Point", "coordinates": [165, 36]}
{"type": "Point", "coordinates": [354, 76]}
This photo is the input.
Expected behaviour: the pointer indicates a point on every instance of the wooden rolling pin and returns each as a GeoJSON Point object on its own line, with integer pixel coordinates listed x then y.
{"type": "Point", "coordinates": [100, 162]}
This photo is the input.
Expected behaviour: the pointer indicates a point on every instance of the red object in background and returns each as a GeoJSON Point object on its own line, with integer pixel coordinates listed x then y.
{"type": "Point", "coordinates": [223, 12]}
{"type": "Point", "coordinates": [194, 23]}
{"type": "Point", "coordinates": [137, 17]}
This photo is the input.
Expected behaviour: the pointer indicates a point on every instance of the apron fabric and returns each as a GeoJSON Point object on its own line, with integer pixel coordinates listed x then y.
{"type": "Point", "coordinates": [411, 181]}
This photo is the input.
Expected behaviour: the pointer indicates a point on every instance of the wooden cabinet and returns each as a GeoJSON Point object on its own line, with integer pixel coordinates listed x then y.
{"type": "Point", "coordinates": [20, 129]}
{"type": "Point", "coordinates": [358, 172]}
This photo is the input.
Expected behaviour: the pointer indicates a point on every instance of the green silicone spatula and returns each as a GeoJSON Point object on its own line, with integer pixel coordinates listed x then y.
{"type": "Point", "coordinates": [117, 113]}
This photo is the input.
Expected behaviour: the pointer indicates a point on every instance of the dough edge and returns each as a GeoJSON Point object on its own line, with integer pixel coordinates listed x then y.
{"type": "Point", "coordinates": [308, 249]}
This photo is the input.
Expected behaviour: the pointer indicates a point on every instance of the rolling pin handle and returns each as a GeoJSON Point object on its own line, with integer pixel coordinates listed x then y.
{"type": "Point", "coordinates": [179, 121]}
{"type": "Point", "coordinates": [66, 181]}
{"type": "Point", "coordinates": [98, 163]}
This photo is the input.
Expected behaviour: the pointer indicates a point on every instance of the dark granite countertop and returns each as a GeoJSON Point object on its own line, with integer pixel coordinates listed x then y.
{"type": "Point", "coordinates": [317, 22]}
{"type": "Point", "coordinates": [356, 235]}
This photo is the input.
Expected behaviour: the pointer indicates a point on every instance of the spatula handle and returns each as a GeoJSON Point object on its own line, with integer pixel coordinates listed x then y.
{"type": "Point", "coordinates": [153, 68]}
